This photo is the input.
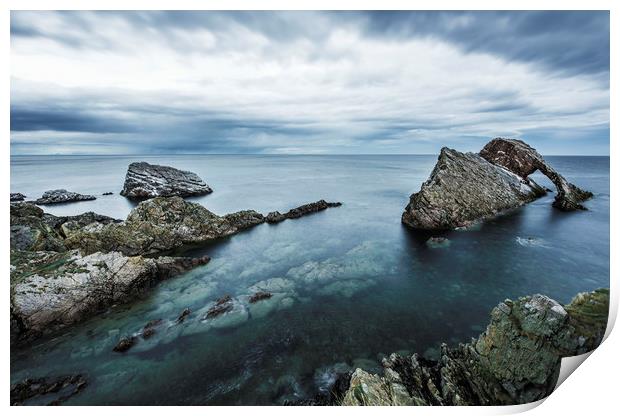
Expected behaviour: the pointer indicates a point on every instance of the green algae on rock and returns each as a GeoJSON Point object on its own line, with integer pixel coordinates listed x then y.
{"type": "Point", "coordinates": [515, 361]}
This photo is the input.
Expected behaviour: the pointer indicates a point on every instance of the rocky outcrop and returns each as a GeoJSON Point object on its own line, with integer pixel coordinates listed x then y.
{"type": "Point", "coordinates": [154, 226]}
{"type": "Point", "coordinates": [16, 197]}
{"type": "Point", "coordinates": [518, 157]}
{"type": "Point", "coordinates": [144, 180]}
{"type": "Point", "coordinates": [32, 229]}
{"type": "Point", "coordinates": [276, 216]}
{"type": "Point", "coordinates": [467, 187]}
{"type": "Point", "coordinates": [163, 224]}
{"type": "Point", "coordinates": [50, 391]}
{"type": "Point", "coordinates": [463, 188]}
{"type": "Point", "coordinates": [515, 361]}
{"type": "Point", "coordinates": [50, 290]}
{"type": "Point", "coordinates": [242, 220]}
{"type": "Point", "coordinates": [62, 196]}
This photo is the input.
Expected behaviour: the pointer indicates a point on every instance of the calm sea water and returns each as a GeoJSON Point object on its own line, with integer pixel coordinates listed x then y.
{"type": "Point", "coordinates": [355, 283]}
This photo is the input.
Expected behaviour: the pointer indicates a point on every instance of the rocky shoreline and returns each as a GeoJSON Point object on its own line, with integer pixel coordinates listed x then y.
{"type": "Point", "coordinates": [66, 269]}
{"type": "Point", "coordinates": [515, 361]}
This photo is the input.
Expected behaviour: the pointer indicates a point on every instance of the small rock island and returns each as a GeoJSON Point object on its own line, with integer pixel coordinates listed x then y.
{"type": "Point", "coordinates": [144, 181]}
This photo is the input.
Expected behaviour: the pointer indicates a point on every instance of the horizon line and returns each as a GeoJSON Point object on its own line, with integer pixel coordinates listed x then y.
{"type": "Point", "coordinates": [266, 154]}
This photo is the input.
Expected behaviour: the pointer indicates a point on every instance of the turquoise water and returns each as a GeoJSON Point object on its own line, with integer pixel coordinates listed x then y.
{"type": "Point", "coordinates": [352, 283]}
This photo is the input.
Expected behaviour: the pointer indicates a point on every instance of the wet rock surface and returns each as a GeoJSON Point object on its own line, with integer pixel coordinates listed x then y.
{"type": "Point", "coordinates": [515, 361]}
{"type": "Point", "coordinates": [62, 196]}
{"type": "Point", "coordinates": [518, 157]}
{"type": "Point", "coordinates": [49, 391]}
{"type": "Point", "coordinates": [465, 187]}
{"type": "Point", "coordinates": [124, 344]}
{"type": "Point", "coordinates": [144, 180]}
{"type": "Point", "coordinates": [50, 290]}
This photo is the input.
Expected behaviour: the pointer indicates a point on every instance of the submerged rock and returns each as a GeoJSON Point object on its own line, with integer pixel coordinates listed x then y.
{"type": "Point", "coordinates": [144, 180]}
{"type": "Point", "coordinates": [183, 315]}
{"type": "Point", "coordinates": [56, 390]}
{"type": "Point", "coordinates": [438, 242]}
{"type": "Point", "coordinates": [151, 328]}
{"type": "Point", "coordinates": [466, 187]}
{"type": "Point", "coordinates": [62, 196]}
{"type": "Point", "coordinates": [518, 157]}
{"type": "Point", "coordinates": [15, 197]}
{"type": "Point", "coordinates": [258, 296]}
{"type": "Point", "coordinates": [50, 290]}
{"type": "Point", "coordinates": [124, 344]}
{"type": "Point", "coordinates": [222, 305]}
{"type": "Point", "coordinates": [515, 361]}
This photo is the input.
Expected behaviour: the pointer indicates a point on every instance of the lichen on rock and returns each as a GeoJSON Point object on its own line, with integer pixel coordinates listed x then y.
{"type": "Point", "coordinates": [515, 361]}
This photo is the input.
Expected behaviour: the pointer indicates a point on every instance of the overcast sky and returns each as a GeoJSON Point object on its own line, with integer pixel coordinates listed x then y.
{"type": "Point", "coordinates": [307, 82]}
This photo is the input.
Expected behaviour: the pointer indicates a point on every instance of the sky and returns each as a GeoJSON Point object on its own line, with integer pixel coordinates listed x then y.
{"type": "Point", "coordinates": [151, 82]}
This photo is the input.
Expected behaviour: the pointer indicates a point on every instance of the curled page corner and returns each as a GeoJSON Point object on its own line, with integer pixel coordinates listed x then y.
{"type": "Point", "coordinates": [569, 365]}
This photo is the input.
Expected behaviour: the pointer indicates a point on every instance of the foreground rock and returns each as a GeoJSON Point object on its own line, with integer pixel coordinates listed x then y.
{"type": "Point", "coordinates": [515, 361]}
{"type": "Point", "coordinates": [50, 391]}
{"type": "Point", "coordinates": [466, 187]}
{"type": "Point", "coordinates": [144, 180]}
{"type": "Point", "coordinates": [15, 197]}
{"type": "Point", "coordinates": [518, 157]}
{"type": "Point", "coordinates": [62, 196]}
{"type": "Point", "coordinates": [275, 216]}
{"type": "Point", "coordinates": [50, 290]}
{"type": "Point", "coordinates": [164, 224]}
{"type": "Point", "coordinates": [32, 229]}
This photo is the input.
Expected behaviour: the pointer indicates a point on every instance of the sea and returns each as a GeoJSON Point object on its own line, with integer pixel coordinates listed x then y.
{"type": "Point", "coordinates": [351, 284]}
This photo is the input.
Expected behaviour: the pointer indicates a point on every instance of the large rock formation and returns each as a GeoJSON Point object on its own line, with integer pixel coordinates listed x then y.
{"type": "Point", "coordinates": [466, 187]}
{"type": "Point", "coordinates": [163, 224]}
{"type": "Point", "coordinates": [144, 180]}
{"type": "Point", "coordinates": [515, 361]}
{"type": "Point", "coordinates": [463, 188]}
{"type": "Point", "coordinates": [50, 290]}
{"type": "Point", "coordinates": [518, 157]}
{"type": "Point", "coordinates": [62, 196]}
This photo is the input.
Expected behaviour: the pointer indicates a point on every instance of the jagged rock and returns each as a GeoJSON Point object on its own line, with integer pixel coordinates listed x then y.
{"type": "Point", "coordinates": [30, 230]}
{"type": "Point", "coordinates": [163, 224]}
{"type": "Point", "coordinates": [258, 296]}
{"type": "Point", "coordinates": [276, 216]}
{"type": "Point", "coordinates": [311, 208]}
{"type": "Point", "coordinates": [222, 305]}
{"type": "Point", "coordinates": [151, 328]}
{"type": "Point", "coordinates": [155, 225]}
{"type": "Point", "coordinates": [124, 344]}
{"type": "Point", "coordinates": [50, 290]}
{"type": "Point", "coordinates": [183, 315]}
{"type": "Point", "coordinates": [144, 180]}
{"type": "Point", "coordinates": [463, 188]}
{"type": "Point", "coordinates": [58, 389]}
{"type": "Point", "coordinates": [16, 197]}
{"type": "Point", "coordinates": [515, 361]}
{"type": "Point", "coordinates": [244, 219]}
{"type": "Point", "coordinates": [62, 196]}
{"type": "Point", "coordinates": [518, 157]}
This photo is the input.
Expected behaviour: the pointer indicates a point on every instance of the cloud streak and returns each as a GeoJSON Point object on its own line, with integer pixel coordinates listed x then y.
{"type": "Point", "coordinates": [307, 82]}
